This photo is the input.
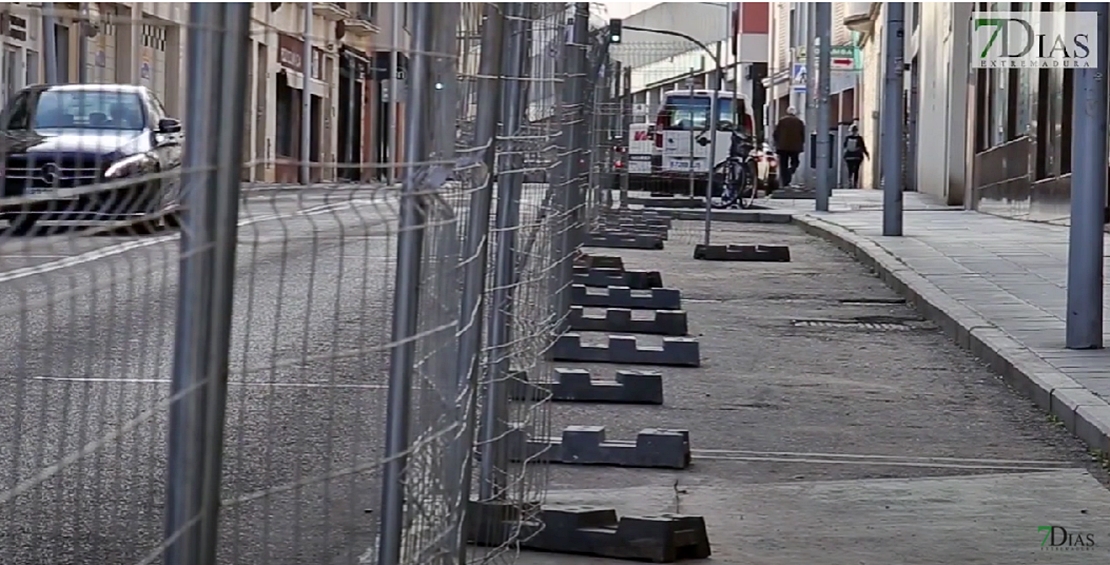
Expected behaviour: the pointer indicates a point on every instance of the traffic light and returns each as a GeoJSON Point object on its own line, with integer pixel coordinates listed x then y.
{"type": "Point", "coordinates": [615, 30]}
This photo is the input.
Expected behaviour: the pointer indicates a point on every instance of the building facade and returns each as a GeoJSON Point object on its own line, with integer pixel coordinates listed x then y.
{"type": "Point", "coordinates": [145, 43]}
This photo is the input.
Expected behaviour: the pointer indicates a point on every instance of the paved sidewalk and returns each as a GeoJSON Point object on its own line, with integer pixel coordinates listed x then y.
{"type": "Point", "coordinates": [996, 286]}
{"type": "Point", "coordinates": [837, 444]}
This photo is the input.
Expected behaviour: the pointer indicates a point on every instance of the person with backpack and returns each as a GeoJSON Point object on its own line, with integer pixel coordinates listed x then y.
{"type": "Point", "coordinates": [790, 141]}
{"type": "Point", "coordinates": [855, 150]}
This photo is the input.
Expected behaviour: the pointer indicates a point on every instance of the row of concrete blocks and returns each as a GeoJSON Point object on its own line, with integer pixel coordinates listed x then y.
{"type": "Point", "coordinates": [578, 385]}
{"type": "Point", "coordinates": [641, 216]}
{"type": "Point", "coordinates": [675, 351]}
{"type": "Point", "coordinates": [587, 445]}
{"type": "Point", "coordinates": [599, 532]}
{"type": "Point", "coordinates": [603, 277]}
{"type": "Point", "coordinates": [620, 320]}
{"type": "Point", "coordinates": [613, 240]}
{"type": "Point", "coordinates": [667, 202]}
{"type": "Point", "coordinates": [624, 297]}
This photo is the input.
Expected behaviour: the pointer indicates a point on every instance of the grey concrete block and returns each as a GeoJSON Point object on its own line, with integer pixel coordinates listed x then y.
{"type": "Point", "coordinates": [676, 351]}
{"type": "Point", "coordinates": [765, 253]}
{"type": "Point", "coordinates": [619, 320]}
{"type": "Point", "coordinates": [623, 241]}
{"type": "Point", "coordinates": [576, 385]}
{"type": "Point", "coordinates": [664, 202]}
{"type": "Point", "coordinates": [636, 280]}
{"type": "Point", "coordinates": [631, 230]}
{"type": "Point", "coordinates": [591, 531]}
{"type": "Point", "coordinates": [624, 297]}
{"type": "Point", "coordinates": [587, 445]}
{"type": "Point", "coordinates": [600, 261]}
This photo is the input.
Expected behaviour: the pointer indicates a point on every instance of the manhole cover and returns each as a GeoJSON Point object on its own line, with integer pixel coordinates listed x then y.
{"type": "Point", "coordinates": [851, 324]}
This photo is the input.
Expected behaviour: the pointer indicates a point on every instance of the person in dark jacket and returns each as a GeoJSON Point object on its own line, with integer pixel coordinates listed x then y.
{"type": "Point", "coordinates": [790, 141]}
{"type": "Point", "coordinates": [855, 150]}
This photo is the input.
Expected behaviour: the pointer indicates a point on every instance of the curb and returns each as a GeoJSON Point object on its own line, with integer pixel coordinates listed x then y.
{"type": "Point", "coordinates": [1086, 415]}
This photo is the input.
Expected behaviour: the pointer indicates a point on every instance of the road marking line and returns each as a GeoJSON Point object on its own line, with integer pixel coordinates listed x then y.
{"type": "Point", "coordinates": [36, 256]}
{"type": "Point", "coordinates": [234, 383]}
{"type": "Point", "coordinates": [111, 251]}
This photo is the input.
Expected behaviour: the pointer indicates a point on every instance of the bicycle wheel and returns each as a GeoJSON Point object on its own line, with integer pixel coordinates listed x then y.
{"type": "Point", "coordinates": [749, 189]}
{"type": "Point", "coordinates": [733, 181]}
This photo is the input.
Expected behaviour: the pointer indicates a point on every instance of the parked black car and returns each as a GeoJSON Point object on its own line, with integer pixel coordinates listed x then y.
{"type": "Point", "coordinates": [97, 152]}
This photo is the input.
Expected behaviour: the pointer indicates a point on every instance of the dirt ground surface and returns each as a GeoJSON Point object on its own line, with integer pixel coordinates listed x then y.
{"type": "Point", "coordinates": [841, 444]}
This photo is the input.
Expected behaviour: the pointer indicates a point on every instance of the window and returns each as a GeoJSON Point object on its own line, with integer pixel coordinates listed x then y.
{"type": "Point", "coordinates": [692, 112]}
{"type": "Point", "coordinates": [19, 114]}
{"type": "Point", "coordinates": [793, 27]}
{"type": "Point", "coordinates": [89, 109]}
{"type": "Point", "coordinates": [32, 67]}
{"type": "Point", "coordinates": [11, 62]}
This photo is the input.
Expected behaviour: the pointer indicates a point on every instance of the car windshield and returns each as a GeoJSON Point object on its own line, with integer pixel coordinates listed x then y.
{"type": "Point", "coordinates": [84, 109]}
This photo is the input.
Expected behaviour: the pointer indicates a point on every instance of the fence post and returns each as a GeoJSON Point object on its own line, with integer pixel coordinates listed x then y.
{"type": "Point", "coordinates": [626, 122]}
{"type": "Point", "coordinates": [580, 45]}
{"type": "Point", "coordinates": [476, 254]}
{"type": "Point", "coordinates": [231, 106]}
{"type": "Point", "coordinates": [186, 449]}
{"type": "Point", "coordinates": [406, 294]}
{"type": "Point", "coordinates": [509, 184]}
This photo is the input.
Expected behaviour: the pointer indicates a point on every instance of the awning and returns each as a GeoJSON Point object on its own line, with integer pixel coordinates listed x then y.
{"type": "Point", "coordinates": [295, 80]}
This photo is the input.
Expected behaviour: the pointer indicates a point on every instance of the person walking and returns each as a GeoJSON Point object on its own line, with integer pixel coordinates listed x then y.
{"type": "Point", "coordinates": [855, 150]}
{"type": "Point", "coordinates": [790, 141]}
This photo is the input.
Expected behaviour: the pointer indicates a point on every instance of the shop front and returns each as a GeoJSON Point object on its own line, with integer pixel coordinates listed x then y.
{"type": "Point", "coordinates": [291, 88]}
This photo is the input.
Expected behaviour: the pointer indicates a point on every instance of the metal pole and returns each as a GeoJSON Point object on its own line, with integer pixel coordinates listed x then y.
{"type": "Point", "coordinates": [394, 93]}
{"type": "Point", "coordinates": [491, 482]}
{"type": "Point", "coordinates": [626, 116]}
{"type": "Point", "coordinates": [306, 98]}
{"type": "Point", "coordinates": [186, 437]}
{"type": "Point", "coordinates": [892, 120]}
{"type": "Point", "coordinates": [406, 304]}
{"type": "Point", "coordinates": [580, 52]}
{"type": "Point", "coordinates": [714, 104]}
{"type": "Point", "coordinates": [50, 38]}
{"type": "Point", "coordinates": [135, 38]}
{"type": "Point", "coordinates": [811, 91]}
{"type": "Point", "coordinates": [231, 105]}
{"type": "Point", "coordinates": [82, 43]}
{"type": "Point", "coordinates": [690, 127]}
{"type": "Point", "coordinates": [821, 126]}
{"type": "Point", "coordinates": [352, 126]}
{"type": "Point", "coordinates": [1088, 195]}
{"type": "Point", "coordinates": [476, 245]}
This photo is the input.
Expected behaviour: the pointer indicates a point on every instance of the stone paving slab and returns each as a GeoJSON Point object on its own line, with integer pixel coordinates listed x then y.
{"type": "Point", "coordinates": [997, 287]}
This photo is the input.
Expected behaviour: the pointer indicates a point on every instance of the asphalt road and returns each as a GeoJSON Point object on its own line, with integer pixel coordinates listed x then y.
{"type": "Point", "coordinates": [88, 322]}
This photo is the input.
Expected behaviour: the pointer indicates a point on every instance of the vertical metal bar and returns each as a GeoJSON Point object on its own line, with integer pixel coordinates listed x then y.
{"type": "Point", "coordinates": [711, 163]}
{"type": "Point", "coordinates": [1088, 194]}
{"type": "Point", "coordinates": [406, 305]}
{"type": "Point", "coordinates": [185, 463]}
{"type": "Point", "coordinates": [353, 102]}
{"type": "Point", "coordinates": [892, 120]}
{"type": "Point", "coordinates": [821, 126]}
{"type": "Point", "coordinates": [580, 52]}
{"type": "Point", "coordinates": [626, 114]}
{"type": "Point", "coordinates": [82, 43]}
{"type": "Point", "coordinates": [394, 88]}
{"type": "Point", "coordinates": [811, 92]}
{"type": "Point", "coordinates": [231, 105]}
{"type": "Point", "coordinates": [50, 39]}
{"type": "Point", "coordinates": [476, 249]}
{"type": "Point", "coordinates": [135, 37]}
{"type": "Point", "coordinates": [494, 458]}
{"type": "Point", "coordinates": [306, 97]}
{"type": "Point", "coordinates": [690, 127]}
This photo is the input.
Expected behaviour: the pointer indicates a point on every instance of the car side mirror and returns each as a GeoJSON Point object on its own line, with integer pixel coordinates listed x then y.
{"type": "Point", "coordinates": [169, 125]}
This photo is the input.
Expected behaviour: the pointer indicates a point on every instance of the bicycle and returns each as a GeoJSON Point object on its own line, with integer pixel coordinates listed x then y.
{"type": "Point", "coordinates": [739, 175]}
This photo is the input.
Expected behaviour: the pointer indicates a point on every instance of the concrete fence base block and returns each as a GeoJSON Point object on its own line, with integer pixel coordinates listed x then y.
{"type": "Point", "coordinates": [610, 240]}
{"type": "Point", "coordinates": [765, 253]}
{"type": "Point", "coordinates": [624, 297]}
{"type": "Point", "coordinates": [620, 320]}
{"type": "Point", "coordinates": [576, 385]}
{"type": "Point", "coordinates": [667, 538]}
{"type": "Point", "coordinates": [664, 202]}
{"type": "Point", "coordinates": [591, 261]}
{"type": "Point", "coordinates": [587, 445]}
{"type": "Point", "coordinates": [630, 230]}
{"type": "Point", "coordinates": [636, 280]}
{"type": "Point", "coordinates": [675, 352]}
